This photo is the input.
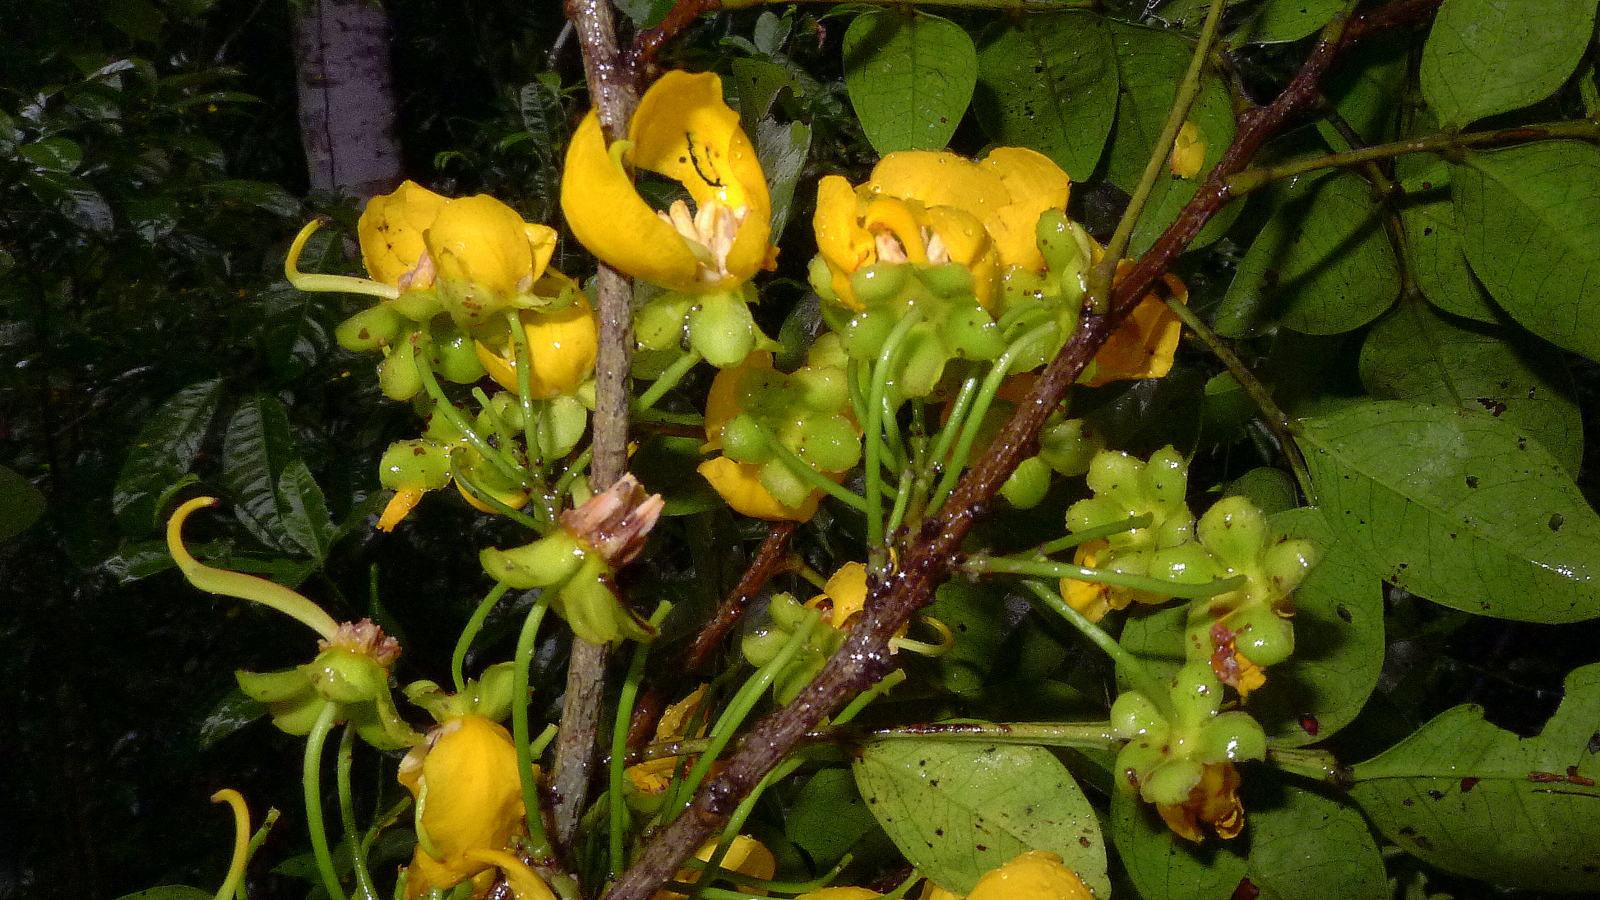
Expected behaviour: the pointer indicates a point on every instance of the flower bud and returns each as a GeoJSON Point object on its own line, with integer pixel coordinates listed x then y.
{"type": "Point", "coordinates": [370, 329]}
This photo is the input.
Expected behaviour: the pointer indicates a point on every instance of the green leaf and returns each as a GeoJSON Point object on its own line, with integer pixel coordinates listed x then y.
{"type": "Point", "coordinates": [1485, 57]}
{"type": "Point", "coordinates": [21, 504]}
{"type": "Point", "coordinates": [1322, 264]}
{"type": "Point", "coordinates": [277, 498]}
{"type": "Point", "coordinates": [829, 817]}
{"type": "Point", "coordinates": [169, 892]}
{"type": "Point", "coordinates": [666, 465]}
{"type": "Point", "coordinates": [957, 810]}
{"type": "Point", "coordinates": [1049, 82]}
{"type": "Point", "coordinates": [1459, 507]}
{"type": "Point", "coordinates": [1286, 20]}
{"type": "Point", "coordinates": [233, 712]}
{"type": "Point", "coordinates": [1473, 799]}
{"type": "Point", "coordinates": [163, 452]}
{"type": "Point", "coordinates": [1339, 644]}
{"type": "Point", "coordinates": [1417, 354]}
{"type": "Point", "coordinates": [910, 77]}
{"type": "Point", "coordinates": [1433, 240]}
{"type": "Point", "coordinates": [1151, 64]}
{"type": "Point", "coordinates": [54, 154]}
{"type": "Point", "coordinates": [1528, 217]}
{"type": "Point", "coordinates": [1299, 843]}
{"type": "Point", "coordinates": [259, 194]}
{"type": "Point", "coordinates": [783, 150]}
{"type": "Point", "coordinates": [1271, 490]}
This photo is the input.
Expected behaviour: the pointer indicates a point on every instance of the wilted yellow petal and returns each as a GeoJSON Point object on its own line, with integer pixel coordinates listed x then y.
{"type": "Point", "coordinates": [740, 487]}
{"type": "Point", "coordinates": [1144, 345]}
{"type": "Point", "coordinates": [1188, 152]}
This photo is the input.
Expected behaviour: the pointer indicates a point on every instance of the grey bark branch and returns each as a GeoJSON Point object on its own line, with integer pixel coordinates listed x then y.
{"type": "Point", "coordinates": [612, 88]}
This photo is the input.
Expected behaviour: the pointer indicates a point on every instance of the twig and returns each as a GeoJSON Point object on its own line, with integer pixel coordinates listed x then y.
{"type": "Point", "coordinates": [614, 93]}
{"type": "Point", "coordinates": [864, 658]}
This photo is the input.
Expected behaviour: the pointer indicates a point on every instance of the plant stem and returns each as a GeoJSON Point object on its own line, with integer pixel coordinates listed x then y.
{"type": "Point", "coordinates": [458, 657]}
{"type": "Point", "coordinates": [347, 815]}
{"type": "Point", "coordinates": [1254, 179]}
{"type": "Point", "coordinates": [1278, 422]}
{"type": "Point", "coordinates": [614, 92]}
{"type": "Point", "coordinates": [619, 743]}
{"type": "Point", "coordinates": [1083, 735]}
{"type": "Point", "coordinates": [1090, 534]}
{"type": "Point", "coordinates": [1044, 568]}
{"type": "Point", "coordinates": [668, 380]}
{"type": "Point", "coordinates": [311, 783]}
{"type": "Point", "coordinates": [864, 659]}
{"type": "Point", "coordinates": [1100, 277]}
{"type": "Point", "coordinates": [1128, 664]}
{"type": "Point", "coordinates": [527, 642]}
{"type": "Point", "coordinates": [872, 419]}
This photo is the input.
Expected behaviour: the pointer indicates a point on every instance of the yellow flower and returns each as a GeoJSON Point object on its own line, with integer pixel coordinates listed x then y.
{"type": "Point", "coordinates": [684, 131]}
{"type": "Point", "coordinates": [746, 856]}
{"type": "Point", "coordinates": [1144, 345]}
{"type": "Point", "coordinates": [391, 230]}
{"type": "Point", "coordinates": [476, 251]}
{"type": "Point", "coordinates": [653, 776]}
{"type": "Point", "coordinates": [931, 208]}
{"type": "Point", "coordinates": [1188, 152]}
{"type": "Point", "coordinates": [1215, 801]}
{"type": "Point", "coordinates": [843, 597]}
{"type": "Point", "coordinates": [1036, 875]}
{"type": "Point", "coordinates": [740, 487]}
{"type": "Point", "coordinates": [1093, 598]}
{"type": "Point", "coordinates": [562, 345]}
{"type": "Point", "coordinates": [468, 801]}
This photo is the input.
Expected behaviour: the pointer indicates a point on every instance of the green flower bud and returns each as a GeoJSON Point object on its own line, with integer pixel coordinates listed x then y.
{"type": "Point", "coordinates": [783, 484]}
{"type": "Point", "coordinates": [925, 360]}
{"type": "Point", "coordinates": [455, 356]}
{"type": "Point", "coordinates": [1287, 563]}
{"type": "Point", "coordinates": [1235, 531]}
{"type": "Point", "coordinates": [864, 333]}
{"type": "Point", "coordinates": [561, 424]}
{"type": "Point", "coordinates": [345, 676]}
{"type": "Point", "coordinates": [1066, 247]}
{"type": "Point", "coordinates": [418, 306]}
{"type": "Point", "coordinates": [722, 329]}
{"type": "Point", "coordinates": [878, 283]}
{"type": "Point", "coordinates": [1028, 484]}
{"type": "Point", "coordinates": [370, 329]}
{"type": "Point", "coordinates": [1114, 472]}
{"type": "Point", "coordinates": [1231, 736]}
{"type": "Point", "coordinates": [414, 464]}
{"type": "Point", "coordinates": [397, 374]}
{"type": "Point", "coordinates": [659, 325]}
{"type": "Point", "coordinates": [1172, 781]}
{"type": "Point", "coordinates": [948, 280]}
{"type": "Point", "coordinates": [1068, 446]}
{"type": "Point", "coordinates": [828, 443]}
{"type": "Point", "coordinates": [548, 561]}
{"type": "Point", "coordinates": [1135, 715]}
{"type": "Point", "coordinates": [1166, 477]}
{"type": "Point", "coordinates": [744, 440]}
{"type": "Point", "coordinates": [1196, 692]}
{"type": "Point", "coordinates": [970, 331]}
{"type": "Point", "coordinates": [1187, 563]}
{"type": "Point", "coordinates": [1263, 636]}
{"type": "Point", "coordinates": [820, 388]}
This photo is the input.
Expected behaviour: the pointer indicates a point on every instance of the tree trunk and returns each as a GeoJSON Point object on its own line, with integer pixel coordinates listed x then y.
{"type": "Point", "coordinates": [347, 103]}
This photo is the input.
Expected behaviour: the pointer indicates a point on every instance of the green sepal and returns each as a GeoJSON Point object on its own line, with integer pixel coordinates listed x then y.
{"type": "Point", "coordinates": [548, 561]}
{"type": "Point", "coordinates": [370, 329]}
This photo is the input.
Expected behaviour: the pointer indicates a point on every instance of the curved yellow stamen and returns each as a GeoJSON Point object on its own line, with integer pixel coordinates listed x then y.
{"type": "Point", "coordinates": [312, 281]}
{"type": "Point", "coordinates": [238, 584]}
{"type": "Point", "coordinates": [241, 840]}
{"type": "Point", "coordinates": [947, 641]}
{"type": "Point", "coordinates": [524, 883]}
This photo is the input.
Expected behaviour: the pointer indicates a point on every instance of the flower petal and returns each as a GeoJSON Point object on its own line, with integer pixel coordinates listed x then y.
{"type": "Point", "coordinates": [940, 179]}
{"type": "Point", "coordinates": [608, 216]}
{"type": "Point", "coordinates": [1034, 183]}
{"type": "Point", "coordinates": [390, 230]}
{"type": "Point", "coordinates": [740, 487]}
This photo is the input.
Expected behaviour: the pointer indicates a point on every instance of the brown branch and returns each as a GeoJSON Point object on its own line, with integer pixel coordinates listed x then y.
{"type": "Point", "coordinates": [613, 91]}
{"type": "Point", "coordinates": [768, 562]}
{"type": "Point", "coordinates": [650, 41]}
{"type": "Point", "coordinates": [864, 658]}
